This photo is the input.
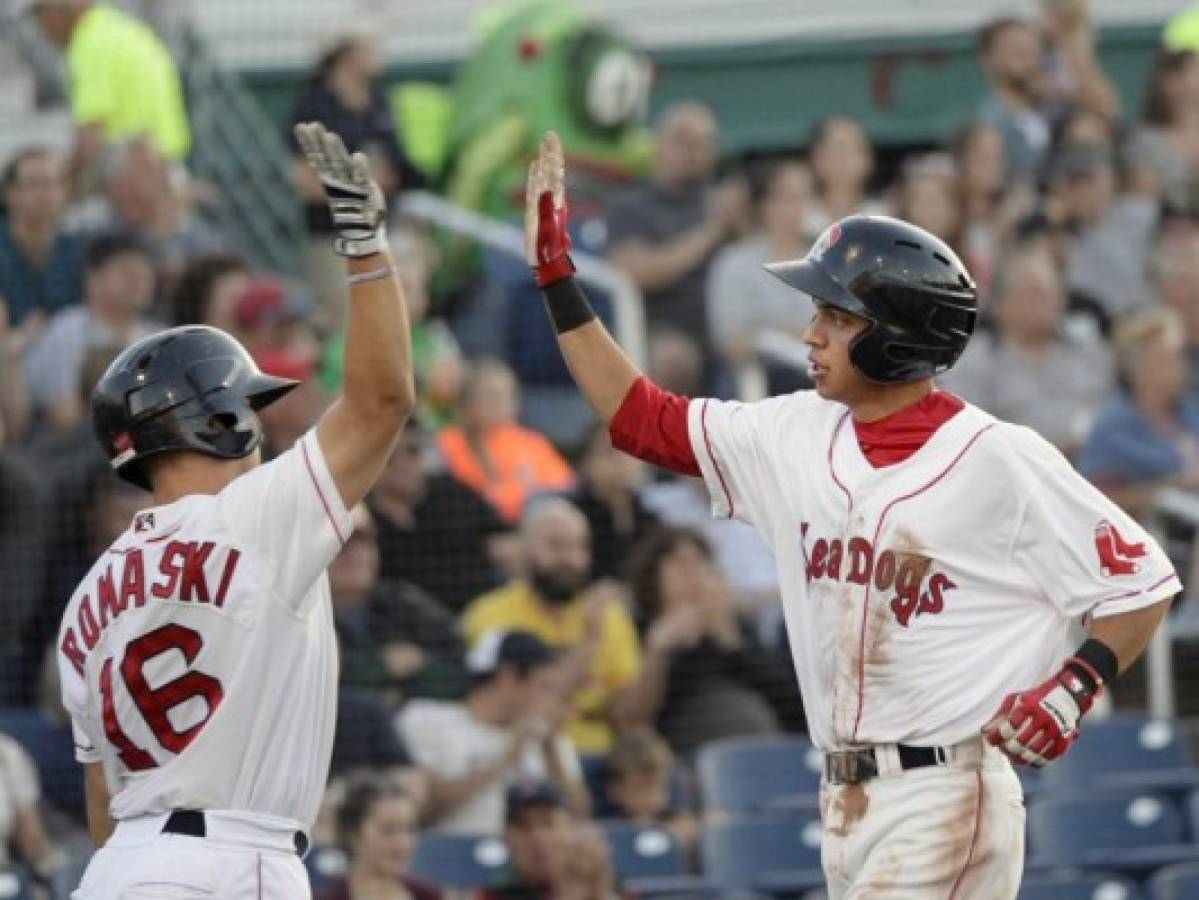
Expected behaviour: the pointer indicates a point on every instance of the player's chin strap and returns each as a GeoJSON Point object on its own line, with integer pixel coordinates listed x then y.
{"type": "Point", "coordinates": [1035, 727]}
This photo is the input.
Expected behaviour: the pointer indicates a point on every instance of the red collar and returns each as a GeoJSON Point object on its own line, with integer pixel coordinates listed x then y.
{"type": "Point", "coordinates": [896, 437]}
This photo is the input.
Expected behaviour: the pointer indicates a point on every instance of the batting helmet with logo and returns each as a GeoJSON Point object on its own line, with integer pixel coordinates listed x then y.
{"type": "Point", "coordinates": [188, 388]}
{"type": "Point", "coordinates": [909, 285]}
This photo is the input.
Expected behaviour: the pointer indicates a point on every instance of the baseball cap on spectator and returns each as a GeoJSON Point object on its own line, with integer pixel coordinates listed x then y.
{"type": "Point", "coordinates": [1080, 159]}
{"type": "Point", "coordinates": [263, 302]}
{"type": "Point", "coordinates": [496, 649]}
{"type": "Point", "coordinates": [528, 794]}
{"type": "Point", "coordinates": [284, 363]}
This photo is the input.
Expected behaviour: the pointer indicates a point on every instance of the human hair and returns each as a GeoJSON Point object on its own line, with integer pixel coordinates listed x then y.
{"type": "Point", "coordinates": [1157, 108]}
{"type": "Point", "coordinates": [107, 247]}
{"type": "Point", "coordinates": [22, 156]}
{"type": "Point", "coordinates": [638, 750]}
{"type": "Point", "coordinates": [331, 56]}
{"type": "Point", "coordinates": [363, 792]}
{"type": "Point", "coordinates": [190, 299]}
{"type": "Point", "coordinates": [1133, 334]}
{"type": "Point", "coordinates": [646, 563]}
{"type": "Point", "coordinates": [989, 34]}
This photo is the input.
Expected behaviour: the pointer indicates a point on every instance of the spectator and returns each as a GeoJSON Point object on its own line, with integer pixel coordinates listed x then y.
{"type": "Point", "coordinates": [24, 512]}
{"type": "Point", "coordinates": [744, 301]}
{"type": "Point", "coordinates": [365, 737]}
{"type": "Point", "coordinates": [989, 208]}
{"type": "Point", "coordinates": [144, 197]}
{"type": "Point", "coordinates": [707, 678]}
{"type": "Point", "coordinates": [926, 195]}
{"type": "Point", "coordinates": [556, 601]}
{"type": "Point", "coordinates": [14, 397]}
{"type": "Point", "coordinates": [1166, 142]}
{"type": "Point", "coordinates": [123, 82]}
{"type": "Point", "coordinates": [842, 161]}
{"type": "Point", "coordinates": [1113, 231]}
{"type": "Point", "coordinates": [607, 496]}
{"type": "Point", "coordinates": [1011, 54]}
{"type": "Point", "coordinates": [489, 452]}
{"type": "Point", "coordinates": [1176, 270]}
{"type": "Point", "coordinates": [639, 784]}
{"type": "Point", "coordinates": [434, 531]}
{"type": "Point", "coordinates": [509, 728]}
{"type": "Point", "coordinates": [208, 291]}
{"type": "Point", "coordinates": [41, 266]}
{"type": "Point", "coordinates": [1146, 436]}
{"type": "Point", "coordinates": [344, 94]}
{"type": "Point", "coordinates": [1073, 78]}
{"type": "Point", "coordinates": [21, 826]}
{"type": "Point", "coordinates": [393, 637]}
{"type": "Point", "coordinates": [553, 855]}
{"type": "Point", "coordinates": [377, 825]}
{"type": "Point", "coordinates": [1037, 367]}
{"type": "Point", "coordinates": [676, 362]}
{"type": "Point", "coordinates": [665, 233]}
{"type": "Point", "coordinates": [268, 318]}
{"type": "Point", "coordinates": [118, 287]}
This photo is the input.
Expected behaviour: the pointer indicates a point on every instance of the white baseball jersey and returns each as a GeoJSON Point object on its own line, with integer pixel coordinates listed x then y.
{"type": "Point", "coordinates": [198, 657]}
{"type": "Point", "coordinates": [918, 595]}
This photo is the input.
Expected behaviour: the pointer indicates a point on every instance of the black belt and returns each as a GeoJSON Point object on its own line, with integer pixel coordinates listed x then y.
{"type": "Point", "coordinates": [191, 822]}
{"type": "Point", "coordinates": [856, 766]}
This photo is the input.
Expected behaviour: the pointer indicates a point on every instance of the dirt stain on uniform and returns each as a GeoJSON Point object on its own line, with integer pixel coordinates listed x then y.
{"type": "Point", "coordinates": [847, 807]}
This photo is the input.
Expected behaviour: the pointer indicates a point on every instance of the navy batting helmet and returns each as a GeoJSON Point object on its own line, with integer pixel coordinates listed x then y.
{"type": "Point", "coordinates": [917, 296]}
{"type": "Point", "coordinates": [188, 388]}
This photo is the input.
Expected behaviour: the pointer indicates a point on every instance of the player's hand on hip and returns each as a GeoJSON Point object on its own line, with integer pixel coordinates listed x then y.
{"type": "Point", "coordinates": [1036, 727]}
{"type": "Point", "coordinates": [355, 198]}
{"type": "Point", "coordinates": [547, 241]}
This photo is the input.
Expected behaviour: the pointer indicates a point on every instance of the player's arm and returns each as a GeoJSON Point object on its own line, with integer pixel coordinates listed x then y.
{"type": "Point", "coordinates": [359, 431]}
{"type": "Point", "coordinates": [644, 420]}
{"type": "Point", "coordinates": [95, 788]}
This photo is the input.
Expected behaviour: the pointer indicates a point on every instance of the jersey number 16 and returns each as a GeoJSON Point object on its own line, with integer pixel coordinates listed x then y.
{"type": "Point", "coordinates": [155, 704]}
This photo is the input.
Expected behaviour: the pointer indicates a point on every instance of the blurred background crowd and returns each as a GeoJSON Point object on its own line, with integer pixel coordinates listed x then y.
{"type": "Point", "coordinates": [538, 633]}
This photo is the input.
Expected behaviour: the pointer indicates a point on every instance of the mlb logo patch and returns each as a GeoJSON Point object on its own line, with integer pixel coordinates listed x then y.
{"type": "Point", "coordinates": [143, 522]}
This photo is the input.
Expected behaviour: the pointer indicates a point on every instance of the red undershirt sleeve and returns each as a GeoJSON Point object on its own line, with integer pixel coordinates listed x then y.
{"type": "Point", "coordinates": [651, 424]}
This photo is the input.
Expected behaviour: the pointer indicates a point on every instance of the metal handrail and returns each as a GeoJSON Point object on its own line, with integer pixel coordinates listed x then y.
{"type": "Point", "coordinates": [627, 302]}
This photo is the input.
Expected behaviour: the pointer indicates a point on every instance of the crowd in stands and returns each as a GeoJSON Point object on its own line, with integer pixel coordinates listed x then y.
{"type": "Point", "coordinates": [515, 604]}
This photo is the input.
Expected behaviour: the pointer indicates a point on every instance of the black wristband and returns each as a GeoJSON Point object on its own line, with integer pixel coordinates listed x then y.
{"type": "Point", "coordinates": [1100, 657]}
{"type": "Point", "coordinates": [567, 305]}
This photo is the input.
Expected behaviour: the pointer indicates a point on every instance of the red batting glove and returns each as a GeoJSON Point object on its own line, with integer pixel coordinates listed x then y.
{"type": "Point", "coordinates": [553, 242]}
{"type": "Point", "coordinates": [1035, 727]}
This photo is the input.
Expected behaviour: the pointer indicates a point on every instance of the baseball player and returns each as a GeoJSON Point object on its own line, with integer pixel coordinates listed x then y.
{"type": "Point", "coordinates": [931, 557]}
{"type": "Point", "coordinates": [197, 657]}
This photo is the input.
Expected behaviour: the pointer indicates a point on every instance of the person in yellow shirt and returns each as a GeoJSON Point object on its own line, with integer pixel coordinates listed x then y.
{"type": "Point", "coordinates": [121, 78]}
{"type": "Point", "coordinates": [588, 621]}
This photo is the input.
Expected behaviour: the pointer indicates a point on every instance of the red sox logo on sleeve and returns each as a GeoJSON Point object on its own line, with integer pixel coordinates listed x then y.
{"type": "Point", "coordinates": [1116, 555]}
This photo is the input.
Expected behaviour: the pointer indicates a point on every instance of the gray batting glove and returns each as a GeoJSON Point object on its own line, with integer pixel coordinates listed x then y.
{"type": "Point", "coordinates": [355, 200]}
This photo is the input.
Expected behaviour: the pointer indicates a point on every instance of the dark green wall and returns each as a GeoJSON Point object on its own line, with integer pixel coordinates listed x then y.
{"type": "Point", "coordinates": [906, 90]}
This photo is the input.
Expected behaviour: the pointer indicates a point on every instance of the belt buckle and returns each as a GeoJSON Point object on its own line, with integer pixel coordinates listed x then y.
{"type": "Point", "coordinates": [851, 766]}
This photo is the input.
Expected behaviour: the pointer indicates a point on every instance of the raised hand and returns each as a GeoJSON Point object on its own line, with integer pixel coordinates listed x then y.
{"type": "Point", "coordinates": [355, 198]}
{"type": "Point", "coordinates": [547, 242]}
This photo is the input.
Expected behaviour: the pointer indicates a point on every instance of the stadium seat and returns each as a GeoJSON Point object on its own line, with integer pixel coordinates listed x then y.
{"type": "Point", "coordinates": [324, 864]}
{"type": "Point", "coordinates": [1124, 752]}
{"type": "Point", "coordinates": [757, 773]}
{"type": "Point", "coordinates": [15, 884]}
{"type": "Point", "coordinates": [460, 861]}
{"type": "Point", "coordinates": [52, 748]}
{"type": "Point", "coordinates": [1177, 882]}
{"type": "Point", "coordinates": [1129, 832]}
{"type": "Point", "coordinates": [640, 851]}
{"type": "Point", "coordinates": [1078, 886]}
{"type": "Point", "coordinates": [772, 855]}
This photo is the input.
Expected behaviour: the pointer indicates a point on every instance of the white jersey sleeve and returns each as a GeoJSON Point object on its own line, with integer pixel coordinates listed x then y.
{"type": "Point", "coordinates": [87, 744]}
{"type": "Point", "coordinates": [732, 442]}
{"type": "Point", "coordinates": [1087, 554]}
{"type": "Point", "coordinates": [291, 513]}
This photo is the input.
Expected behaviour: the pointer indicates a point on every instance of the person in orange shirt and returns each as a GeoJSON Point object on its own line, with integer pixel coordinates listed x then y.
{"type": "Point", "coordinates": [488, 451]}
